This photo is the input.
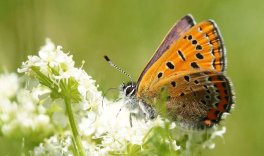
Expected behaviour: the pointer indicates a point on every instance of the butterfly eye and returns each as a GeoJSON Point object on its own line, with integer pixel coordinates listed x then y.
{"type": "Point", "coordinates": [130, 90]}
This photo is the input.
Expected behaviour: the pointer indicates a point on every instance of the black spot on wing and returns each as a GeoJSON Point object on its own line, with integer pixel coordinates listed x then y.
{"type": "Point", "coordinates": [170, 65]}
{"type": "Point", "coordinates": [204, 102]}
{"type": "Point", "coordinates": [181, 55]}
{"type": "Point", "coordinates": [190, 37]}
{"type": "Point", "coordinates": [194, 65]}
{"type": "Point", "coordinates": [214, 65]}
{"type": "Point", "coordinates": [160, 74]}
{"type": "Point", "coordinates": [194, 42]}
{"type": "Point", "coordinates": [182, 94]}
{"type": "Point", "coordinates": [199, 47]}
{"type": "Point", "coordinates": [187, 78]}
{"type": "Point", "coordinates": [173, 83]}
{"type": "Point", "coordinates": [199, 56]}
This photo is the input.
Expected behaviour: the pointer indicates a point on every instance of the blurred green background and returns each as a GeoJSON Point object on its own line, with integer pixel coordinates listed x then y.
{"type": "Point", "coordinates": [129, 32]}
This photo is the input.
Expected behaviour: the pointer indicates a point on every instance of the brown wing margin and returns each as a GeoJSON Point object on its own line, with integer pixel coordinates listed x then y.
{"type": "Point", "coordinates": [175, 33]}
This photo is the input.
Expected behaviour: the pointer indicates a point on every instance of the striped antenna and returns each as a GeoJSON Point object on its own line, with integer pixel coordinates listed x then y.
{"type": "Point", "coordinates": [118, 68]}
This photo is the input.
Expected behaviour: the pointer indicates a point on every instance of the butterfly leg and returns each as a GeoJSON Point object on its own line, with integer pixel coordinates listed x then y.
{"type": "Point", "coordinates": [148, 111]}
{"type": "Point", "coordinates": [140, 116]}
{"type": "Point", "coordinates": [130, 118]}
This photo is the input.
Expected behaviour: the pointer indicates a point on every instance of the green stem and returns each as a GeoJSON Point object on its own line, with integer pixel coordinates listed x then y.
{"type": "Point", "coordinates": [74, 129]}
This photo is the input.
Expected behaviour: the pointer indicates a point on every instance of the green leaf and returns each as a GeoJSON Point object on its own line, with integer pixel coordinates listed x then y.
{"type": "Point", "coordinates": [59, 88]}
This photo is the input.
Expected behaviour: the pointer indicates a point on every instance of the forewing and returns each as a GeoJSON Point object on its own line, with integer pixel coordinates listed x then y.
{"type": "Point", "coordinates": [200, 48]}
{"type": "Point", "coordinates": [174, 34]}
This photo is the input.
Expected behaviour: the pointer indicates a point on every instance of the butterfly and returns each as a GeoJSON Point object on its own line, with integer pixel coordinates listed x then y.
{"type": "Point", "coordinates": [190, 66]}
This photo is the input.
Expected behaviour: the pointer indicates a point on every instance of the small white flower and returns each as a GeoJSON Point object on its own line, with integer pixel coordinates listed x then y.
{"type": "Point", "coordinates": [20, 112]}
{"type": "Point", "coordinates": [9, 85]}
{"type": "Point", "coordinates": [49, 56]}
{"type": "Point", "coordinates": [56, 145]}
{"type": "Point", "coordinates": [219, 133]}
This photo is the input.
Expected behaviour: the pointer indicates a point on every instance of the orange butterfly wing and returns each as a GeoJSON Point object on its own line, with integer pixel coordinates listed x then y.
{"type": "Point", "coordinates": [191, 66]}
{"type": "Point", "coordinates": [201, 47]}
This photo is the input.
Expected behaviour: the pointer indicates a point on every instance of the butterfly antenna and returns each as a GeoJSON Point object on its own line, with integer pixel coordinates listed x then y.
{"type": "Point", "coordinates": [118, 68]}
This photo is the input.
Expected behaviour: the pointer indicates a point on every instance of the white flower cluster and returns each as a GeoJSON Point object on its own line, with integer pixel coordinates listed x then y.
{"type": "Point", "coordinates": [97, 119]}
{"type": "Point", "coordinates": [55, 145]}
{"type": "Point", "coordinates": [20, 112]}
{"type": "Point", "coordinates": [51, 56]}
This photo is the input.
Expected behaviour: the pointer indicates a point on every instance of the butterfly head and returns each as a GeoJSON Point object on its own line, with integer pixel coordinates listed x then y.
{"type": "Point", "coordinates": [129, 89]}
{"type": "Point", "coordinates": [138, 108]}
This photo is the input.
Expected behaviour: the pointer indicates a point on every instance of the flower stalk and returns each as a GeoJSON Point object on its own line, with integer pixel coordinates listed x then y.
{"type": "Point", "coordinates": [67, 89]}
{"type": "Point", "coordinates": [76, 136]}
